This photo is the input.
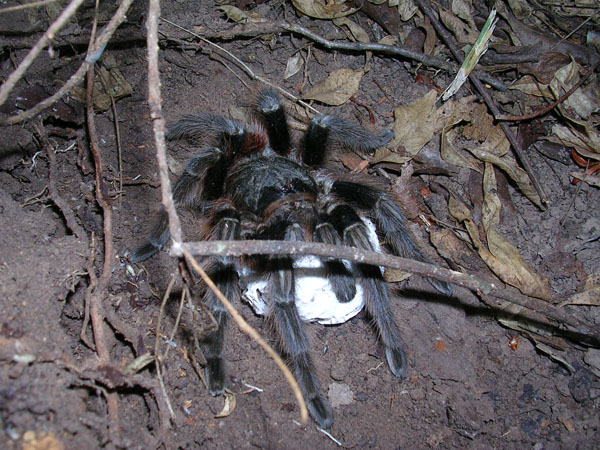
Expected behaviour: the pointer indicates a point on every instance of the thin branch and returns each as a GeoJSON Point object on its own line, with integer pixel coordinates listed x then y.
{"type": "Point", "coordinates": [246, 328]}
{"type": "Point", "coordinates": [383, 49]}
{"type": "Point", "coordinates": [245, 67]}
{"type": "Point", "coordinates": [554, 104]}
{"type": "Point", "coordinates": [96, 296]}
{"type": "Point", "coordinates": [157, 359]}
{"type": "Point", "coordinates": [94, 53]}
{"type": "Point", "coordinates": [18, 73]}
{"type": "Point", "coordinates": [352, 254]}
{"type": "Point", "coordinates": [10, 9]}
{"type": "Point", "coordinates": [117, 132]}
{"type": "Point", "coordinates": [474, 78]}
{"type": "Point", "coordinates": [53, 194]}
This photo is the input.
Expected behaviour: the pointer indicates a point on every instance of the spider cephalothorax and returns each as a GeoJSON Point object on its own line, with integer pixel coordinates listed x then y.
{"type": "Point", "coordinates": [252, 184]}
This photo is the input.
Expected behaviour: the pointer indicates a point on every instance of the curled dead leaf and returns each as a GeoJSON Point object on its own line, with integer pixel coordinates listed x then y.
{"type": "Point", "coordinates": [337, 88]}
{"type": "Point", "coordinates": [415, 124]}
{"type": "Point", "coordinates": [229, 406]}
{"type": "Point", "coordinates": [293, 66]}
{"type": "Point", "coordinates": [321, 9]}
{"type": "Point", "coordinates": [590, 296]}
{"type": "Point", "coordinates": [239, 16]}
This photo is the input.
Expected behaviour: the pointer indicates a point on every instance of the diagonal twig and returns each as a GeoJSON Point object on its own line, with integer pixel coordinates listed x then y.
{"type": "Point", "coordinates": [93, 55]}
{"type": "Point", "coordinates": [473, 77]}
{"type": "Point", "coordinates": [386, 50]}
{"type": "Point", "coordinates": [552, 105]}
{"type": "Point", "coordinates": [18, 73]}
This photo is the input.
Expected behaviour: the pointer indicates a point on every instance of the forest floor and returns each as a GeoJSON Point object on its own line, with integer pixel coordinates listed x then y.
{"type": "Point", "coordinates": [473, 382]}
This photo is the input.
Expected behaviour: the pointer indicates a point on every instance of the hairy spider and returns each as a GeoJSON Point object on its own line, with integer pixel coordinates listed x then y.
{"type": "Point", "coordinates": [253, 185]}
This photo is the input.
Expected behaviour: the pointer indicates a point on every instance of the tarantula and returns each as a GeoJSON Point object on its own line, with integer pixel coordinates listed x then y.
{"type": "Point", "coordinates": [253, 185]}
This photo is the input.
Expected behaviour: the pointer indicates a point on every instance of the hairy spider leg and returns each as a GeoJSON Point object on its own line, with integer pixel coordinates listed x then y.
{"type": "Point", "coordinates": [191, 190]}
{"type": "Point", "coordinates": [341, 280]}
{"type": "Point", "coordinates": [293, 340]}
{"type": "Point", "coordinates": [377, 299]}
{"type": "Point", "coordinates": [204, 175]}
{"type": "Point", "coordinates": [325, 129]}
{"type": "Point", "coordinates": [273, 117]}
{"type": "Point", "coordinates": [390, 222]}
{"type": "Point", "coordinates": [224, 273]}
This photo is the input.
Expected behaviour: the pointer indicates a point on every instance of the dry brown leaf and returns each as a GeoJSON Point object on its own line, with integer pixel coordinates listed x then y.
{"type": "Point", "coordinates": [590, 295]}
{"type": "Point", "coordinates": [580, 105]}
{"type": "Point", "coordinates": [546, 66]}
{"type": "Point", "coordinates": [586, 142]}
{"type": "Point", "coordinates": [357, 31]}
{"type": "Point", "coordinates": [395, 275]}
{"type": "Point", "coordinates": [483, 129]}
{"type": "Point", "coordinates": [592, 180]}
{"type": "Point", "coordinates": [494, 148]}
{"type": "Point", "coordinates": [293, 66]}
{"type": "Point", "coordinates": [229, 406]}
{"type": "Point", "coordinates": [511, 168]}
{"type": "Point", "coordinates": [337, 88]}
{"type": "Point", "coordinates": [520, 8]}
{"type": "Point", "coordinates": [321, 9]}
{"type": "Point", "coordinates": [448, 151]}
{"type": "Point", "coordinates": [502, 257]}
{"type": "Point", "coordinates": [463, 33]}
{"type": "Point", "coordinates": [239, 16]}
{"type": "Point", "coordinates": [406, 8]}
{"type": "Point", "coordinates": [462, 9]}
{"type": "Point", "coordinates": [430, 37]}
{"type": "Point", "coordinates": [451, 247]}
{"type": "Point", "coordinates": [415, 124]}
{"type": "Point", "coordinates": [530, 85]}
{"type": "Point", "coordinates": [518, 272]}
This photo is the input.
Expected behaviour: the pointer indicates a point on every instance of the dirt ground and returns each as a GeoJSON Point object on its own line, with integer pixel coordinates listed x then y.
{"type": "Point", "coordinates": [472, 382]}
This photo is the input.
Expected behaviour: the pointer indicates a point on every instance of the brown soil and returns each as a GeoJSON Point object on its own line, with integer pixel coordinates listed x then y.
{"type": "Point", "coordinates": [466, 387]}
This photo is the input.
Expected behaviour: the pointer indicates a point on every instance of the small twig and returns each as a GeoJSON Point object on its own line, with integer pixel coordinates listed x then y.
{"type": "Point", "coordinates": [18, 73]}
{"type": "Point", "coordinates": [95, 296]}
{"type": "Point", "coordinates": [552, 105]}
{"type": "Point", "coordinates": [245, 67]}
{"type": "Point", "coordinates": [53, 194]}
{"type": "Point", "coordinates": [93, 55]}
{"type": "Point", "coordinates": [246, 328]}
{"type": "Point", "coordinates": [474, 78]}
{"type": "Point", "coordinates": [157, 361]}
{"type": "Point", "coordinates": [581, 25]}
{"type": "Point", "coordinates": [330, 436]}
{"type": "Point", "coordinates": [10, 9]}
{"type": "Point", "coordinates": [185, 292]}
{"type": "Point", "coordinates": [386, 50]}
{"type": "Point", "coordinates": [117, 131]}
{"type": "Point", "coordinates": [352, 254]}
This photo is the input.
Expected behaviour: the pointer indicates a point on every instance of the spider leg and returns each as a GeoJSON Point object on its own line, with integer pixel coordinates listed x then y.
{"type": "Point", "coordinates": [289, 326]}
{"type": "Point", "coordinates": [223, 272]}
{"type": "Point", "coordinates": [273, 116]}
{"type": "Point", "coordinates": [199, 126]}
{"type": "Point", "coordinates": [341, 280]}
{"type": "Point", "coordinates": [201, 180]}
{"type": "Point", "coordinates": [377, 299]}
{"type": "Point", "coordinates": [324, 129]}
{"type": "Point", "coordinates": [390, 221]}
